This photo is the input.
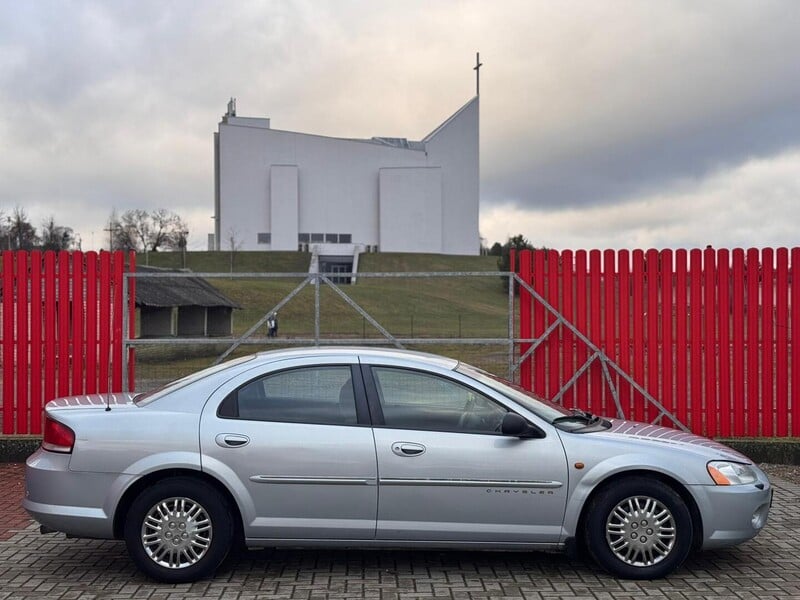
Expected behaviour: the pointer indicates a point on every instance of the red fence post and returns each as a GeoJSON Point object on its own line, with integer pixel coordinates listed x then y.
{"type": "Point", "coordinates": [22, 363]}
{"type": "Point", "coordinates": [724, 309]}
{"type": "Point", "coordinates": [91, 322]}
{"type": "Point", "coordinates": [132, 321]}
{"type": "Point", "coordinates": [78, 351]}
{"type": "Point", "coordinates": [767, 378]}
{"type": "Point", "coordinates": [681, 387]}
{"type": "Point", "coordinates": [782, 343]}
{"type": "Point", "coordinates": [610, 329]}
{"type": "Point", "coordinates": [36, 342]}
{"type": "Point", "coordinates": [49, 325]}
{"type": "Point", "coordinates": [63, 323]}
{"type": "Point", "coordinates": [596, 382]}
{"type": "Point", "coordinates": [695, 348]}
{"type": "Point", "coordinates": [794, 408]}
{"type": "Point", "coordinates": [653, 280]}
{"type": "Point", "coordinates": [104, 323]}
{"type": "Point", "coordinates": [667, 304]}
{"type": "Point", "coordinates": [568, 339]}
{"type": "Point", "coordinates": [552, 342]}
{"type": "Point", "coordinates": [582, 385]}
{"type": "Point", "coordinates": [625, 396]}
{"type": "Point", "coordinates": [738, 343]}
{"type": "Point", "coordinates": [118, 261]}
{"type": "Point", "coordinates": [753, 268]}
{"type": "Point", "coordinates": [539, 356]}
{"type": "Point", "coordinates": [525, 320]}
{"type": "Point", "coordinates": [8, 342]}
{"type": "Point", "coordinates": [638, 331]}
{"type": "Point", "coordinates": [710, 312]}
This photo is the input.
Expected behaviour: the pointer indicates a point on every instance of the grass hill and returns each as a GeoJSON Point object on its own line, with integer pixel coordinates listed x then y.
{"type": "Point", "coordinates": [430, 307]}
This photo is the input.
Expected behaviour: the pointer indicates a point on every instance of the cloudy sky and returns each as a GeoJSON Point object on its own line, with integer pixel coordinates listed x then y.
{"type": "Point", "coordinates": [668, 123]}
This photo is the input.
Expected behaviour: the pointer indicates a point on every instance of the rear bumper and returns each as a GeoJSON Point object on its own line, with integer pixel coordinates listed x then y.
{"type": "Point", "coordinates": [76, 503]}
{"type": "Point", "coordinates": [732, 514]}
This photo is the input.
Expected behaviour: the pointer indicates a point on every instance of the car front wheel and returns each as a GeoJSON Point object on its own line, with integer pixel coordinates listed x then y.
{"type": "Point", "coordinates": [638, 528]}
{"type": "Point", "coordinates": [179, 530]}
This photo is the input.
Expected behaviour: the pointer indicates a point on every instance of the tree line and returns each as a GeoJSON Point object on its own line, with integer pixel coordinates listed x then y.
{"type": "Point", "coordinates": [144, 231]}
{"type": "Point", "coordinates": [17, 233]}
{"type": "Point", "coordinates": [136, 229]}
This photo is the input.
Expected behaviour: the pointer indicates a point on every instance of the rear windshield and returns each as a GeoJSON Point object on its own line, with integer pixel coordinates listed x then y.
{"type": "Point", "coordinates": [146, 398]}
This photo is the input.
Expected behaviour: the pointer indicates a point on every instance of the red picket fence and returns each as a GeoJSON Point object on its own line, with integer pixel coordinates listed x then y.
{"type": "Point", "coordinates": [708, 333]}
{"type": "Point", "coordinates": [62, 319]}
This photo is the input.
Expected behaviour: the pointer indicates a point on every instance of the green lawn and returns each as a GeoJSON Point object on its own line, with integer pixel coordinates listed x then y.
{"type": "Point", "coordinates": [220, 262]}
{"type": "Point", "coordinates": [451, 307]}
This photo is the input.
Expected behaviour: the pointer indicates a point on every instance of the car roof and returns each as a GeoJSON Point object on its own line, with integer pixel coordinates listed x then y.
{"type": "Point", "coordinates": [365, 352]}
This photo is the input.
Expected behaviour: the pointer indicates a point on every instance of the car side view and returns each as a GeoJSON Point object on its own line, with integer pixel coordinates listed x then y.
{"type": "Point", "coordinates": [365, 447]}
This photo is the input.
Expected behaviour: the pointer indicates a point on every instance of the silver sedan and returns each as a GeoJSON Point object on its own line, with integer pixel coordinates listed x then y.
{"type": "Point", "coordinates": [369, 447]}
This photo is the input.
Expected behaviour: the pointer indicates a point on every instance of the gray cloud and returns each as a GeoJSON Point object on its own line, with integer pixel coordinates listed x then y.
{"type": "Point", "coordinates": [583, 105]}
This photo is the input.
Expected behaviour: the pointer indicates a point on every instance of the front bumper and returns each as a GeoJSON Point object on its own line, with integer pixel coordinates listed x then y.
{"type": "Point", "coordinates": [76, 503]}
{"type": "Point", "coordinates": [732, 514]}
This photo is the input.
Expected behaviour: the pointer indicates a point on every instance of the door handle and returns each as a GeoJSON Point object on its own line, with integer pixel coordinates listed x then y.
{"type": "Point", "coordinates": [408, 449]}
{"type": "Point", "coordinates": [232, 440]}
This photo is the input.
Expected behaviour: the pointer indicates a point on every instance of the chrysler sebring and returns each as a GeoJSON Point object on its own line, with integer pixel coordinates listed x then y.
{"type": "Point", "coordinates": [359, 447]}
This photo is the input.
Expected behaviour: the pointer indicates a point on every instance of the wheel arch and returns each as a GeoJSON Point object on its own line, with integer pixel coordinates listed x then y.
{"type": "Point", "coordinates": [150, 479]}
{"type": "Point", "coordinates": [674, 484]}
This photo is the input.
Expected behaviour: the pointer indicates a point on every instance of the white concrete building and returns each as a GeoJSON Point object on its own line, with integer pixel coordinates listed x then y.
{"type": "Point", "coordinates": [281, 190]}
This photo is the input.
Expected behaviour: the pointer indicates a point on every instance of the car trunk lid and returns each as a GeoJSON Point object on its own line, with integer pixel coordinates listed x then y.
{"type": "Point", "coordinates": [111, 400]}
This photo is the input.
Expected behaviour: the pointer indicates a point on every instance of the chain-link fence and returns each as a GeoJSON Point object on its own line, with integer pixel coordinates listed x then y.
{"type": "Point", "coordinates": [465, 315]}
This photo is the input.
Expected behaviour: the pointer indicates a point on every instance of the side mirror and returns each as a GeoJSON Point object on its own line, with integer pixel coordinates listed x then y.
{"type": "Point", "coordinates": [516, 426]}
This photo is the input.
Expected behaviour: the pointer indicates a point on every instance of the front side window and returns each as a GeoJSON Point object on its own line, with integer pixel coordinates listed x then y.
{"type": "Point", "coordinates": [321, 395]}
{"type": "Point", "coordinates": [416, 400]}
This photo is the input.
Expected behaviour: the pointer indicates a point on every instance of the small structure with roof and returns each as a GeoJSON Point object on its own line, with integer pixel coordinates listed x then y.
{"type": "Point", "coordinates": [181, 306]}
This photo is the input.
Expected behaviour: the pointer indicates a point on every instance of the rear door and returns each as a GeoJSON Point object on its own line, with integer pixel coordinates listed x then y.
{"type": "Point", "coordinates": [293, 442]}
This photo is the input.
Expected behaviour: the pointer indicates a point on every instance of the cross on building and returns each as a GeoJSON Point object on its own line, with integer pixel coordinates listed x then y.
{"type": "Point", "coordinates": [477, 69]}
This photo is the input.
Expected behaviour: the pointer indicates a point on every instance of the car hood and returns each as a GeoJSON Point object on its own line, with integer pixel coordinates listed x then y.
{"type": "Point", "coordinates": [646, 433]}
{"type": "Point", "coordinates": [118, 400]}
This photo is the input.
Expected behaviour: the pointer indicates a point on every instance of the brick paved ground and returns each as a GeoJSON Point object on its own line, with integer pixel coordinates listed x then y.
{"type": "Point", "coordinates": [53, 567]}
{"type": "Point", "coordinates": [12, 489]}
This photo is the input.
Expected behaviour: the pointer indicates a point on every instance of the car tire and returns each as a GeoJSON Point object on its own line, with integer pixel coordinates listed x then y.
{"type": "Point", "coordinates": [638, 528]}
{"type": "Point", "coordinates": [179, 530]}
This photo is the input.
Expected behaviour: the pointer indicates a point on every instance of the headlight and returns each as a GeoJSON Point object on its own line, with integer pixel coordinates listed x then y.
{"type": "Point", "coordinates": [731, 473]}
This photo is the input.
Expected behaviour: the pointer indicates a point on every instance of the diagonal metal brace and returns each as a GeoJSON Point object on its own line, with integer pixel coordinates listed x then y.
{"type": "Point", "coordinates": [575, 376]}
{"type": "Point", "coordinates": [262, 320]}
{"type": "Point", "coordinates": [536, 344]}
{"type": "Point", "coordinates": [384, 332]}
{"type": "Point", "coordinates": [579, 335]}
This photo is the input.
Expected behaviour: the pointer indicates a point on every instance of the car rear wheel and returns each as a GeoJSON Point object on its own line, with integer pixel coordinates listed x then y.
{"type": "Point", "coordinates": [179, 530]}
{"type": "Point", "coordinates": [638, 528]}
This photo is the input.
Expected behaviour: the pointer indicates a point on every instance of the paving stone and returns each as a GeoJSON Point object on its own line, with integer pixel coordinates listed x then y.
{"type": "Point", "coordinates": [34, 566]}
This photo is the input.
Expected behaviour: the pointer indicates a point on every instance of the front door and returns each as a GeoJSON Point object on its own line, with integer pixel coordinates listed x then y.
{"type": "Point", "coordinates": [446, 473]}
{"type": "Point", "coordinates": [294, 444]}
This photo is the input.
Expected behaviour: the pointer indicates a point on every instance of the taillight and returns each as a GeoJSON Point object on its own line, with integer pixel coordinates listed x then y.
{"type": "Point", "coordinates": [57, 437]}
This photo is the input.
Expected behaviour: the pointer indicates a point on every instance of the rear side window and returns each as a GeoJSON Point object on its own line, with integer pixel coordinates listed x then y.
{"type": "Point", "coordinates": [321, 395]}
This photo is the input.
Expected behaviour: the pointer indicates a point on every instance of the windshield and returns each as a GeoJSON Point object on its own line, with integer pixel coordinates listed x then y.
{"type": "Point", "coordinates": [547, 410]}
{"type": "Point", "coordinates": [147, 397]}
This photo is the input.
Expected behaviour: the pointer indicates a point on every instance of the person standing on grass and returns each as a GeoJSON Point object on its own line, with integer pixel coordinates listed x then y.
{"type": "Point", "coordinates": [272, 326]}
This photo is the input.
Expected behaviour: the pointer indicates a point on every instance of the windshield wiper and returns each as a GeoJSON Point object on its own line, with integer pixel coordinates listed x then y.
{"type": "Point", "coordinates": [577, 413]}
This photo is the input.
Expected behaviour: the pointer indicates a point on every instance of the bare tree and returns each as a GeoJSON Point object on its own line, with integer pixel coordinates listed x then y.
{"type": "Point", "coordinates": [151, 231]}
{"type": "Point", "coordinates": [22, 234]}
{"type": "Point", "coordinates": [56, 237]}
{"type": "Point", "coordinates": [234, 243]}
{"type": "Point", "coordinates": [5, 223]}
